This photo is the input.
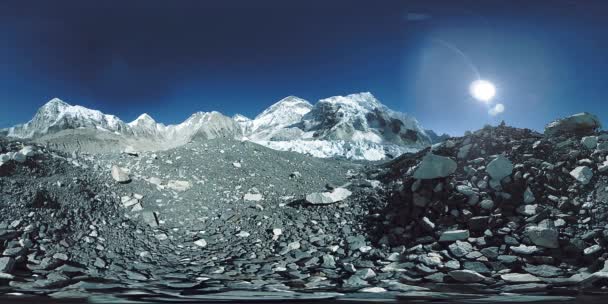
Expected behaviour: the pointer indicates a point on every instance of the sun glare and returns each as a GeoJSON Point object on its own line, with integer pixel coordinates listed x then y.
{"type": "Point", "coordinates": [482, 90]}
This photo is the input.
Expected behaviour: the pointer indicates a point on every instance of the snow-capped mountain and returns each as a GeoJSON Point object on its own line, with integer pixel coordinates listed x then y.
{"type": "Point", "coordinates": [277, 121]}
{"type": "Point", "coordinates": [57, 115]}
{"type": "Point", "coordinates": [355, 126]}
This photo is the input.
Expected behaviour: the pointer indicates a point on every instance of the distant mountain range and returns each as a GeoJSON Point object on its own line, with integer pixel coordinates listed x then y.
{"type": "Point", "coordinates": [356, 126]}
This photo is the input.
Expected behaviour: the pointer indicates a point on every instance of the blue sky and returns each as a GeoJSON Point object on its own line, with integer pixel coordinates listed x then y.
{"type": "Point", "coordinates": [172, 58]}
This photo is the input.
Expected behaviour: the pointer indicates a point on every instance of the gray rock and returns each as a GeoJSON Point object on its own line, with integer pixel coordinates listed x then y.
{"type": "Point", "coordinates": [179, 185]}
{"type": "Point", "coordinates": [582, 123]}
{"type": "Point", "coordinates": [583, 174]}
{"type": "Point", "coordinates": [120, 175]}
{"type": "Point", "coordinates": [434, 166]}
{"type": "Point", "coordinates": [460, 249]}
{"type": "Point", "coordinates": [476, 266]}
{"type": "Point", "coordinates": [499, 168]}
{"type": "Point", "coordinates": [523, 249]}
{"type": "Point", "coordinates": [454, 235]}
{"type": "Point", "coordinates": [6, 264]}
{"type": "Point", "coordinates": [543, 236]}
{"type": "Point", "coordinates": [466, 276]}
{"type": "Point", "coordinates": [150, 218]}
{"type": "Point", "coordinates": [519, 278]}
{"type": "Point", "coordinates": [529, 196]}
{"type": "Point", "coordinates": [487, 204]}
{"type": "Point", "coordinates": [326, 198]}
{"type": "Point", "coordinates": [546, 271]}
{"type": "Point", "coordinates": [99, 263]}
{"type": "Point", "coordinates": [589, 142]}
{"type": "Point", "coordinates": [201, 243]}
{"type": "Point", "coordinates": [593, 249]}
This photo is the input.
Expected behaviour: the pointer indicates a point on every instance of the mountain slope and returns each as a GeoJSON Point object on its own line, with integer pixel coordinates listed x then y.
{"type": "Point", "coordinates": [355, 126]}
{"type": "Point", "coordinates": [57, 115]}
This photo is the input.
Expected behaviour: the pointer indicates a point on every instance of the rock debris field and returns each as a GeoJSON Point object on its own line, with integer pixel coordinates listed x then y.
{"type": "Point", "coordinates": [498, 214]}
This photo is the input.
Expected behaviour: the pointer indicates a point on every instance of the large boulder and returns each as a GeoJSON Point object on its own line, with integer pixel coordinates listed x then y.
{"type": "Point", "coordinates": [120, 175]}
{"type": "Point", "coordinates": [543, 236]}
{"type": "Point", "coordinates": [581, 123]}
{"type": "Point", "coordinates": [583, 174]}
{"type": "Point", "coordinates": [434, 166]}
{"type": "Point", "coordinates": [499, 168]}
{"type": "Point", "coordinates": [326, 198]}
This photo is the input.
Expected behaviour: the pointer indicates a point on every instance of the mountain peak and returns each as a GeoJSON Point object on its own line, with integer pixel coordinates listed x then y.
{"type": "Point", "coordinates": [55, 103]}
{"type": "Point", "coordinates": [364, 99]}
{"type": "Point", "coordinates": [143, 119]}
{"type": "Point", "coordinates": [240, 118]}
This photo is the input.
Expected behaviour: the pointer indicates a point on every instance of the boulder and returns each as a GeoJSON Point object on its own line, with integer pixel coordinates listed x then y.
{"type": "Point", "coordinates": [179, 185]}
{"type": "Point", "coordinates": [326, 198]}
{"type": "Point", "coordinates": [466, 276]}
{"type": "Point", "coordinates": [454, 235]}
{"type": "Point", "coordinates": [499, 168]}
{"type": "Point", "coordinates": [589, 142]}
{"type": "Point", "coordinates": [519, 278]}
{"type": "Point", "coordinates": [583, 174]}
{"type": "Point", "coordinates": [543, 236]}
{"type": "Point", "coordinates": [7, 264]}
{"type": "Point", "coordinates": [581, 123]}
{"type": "Point", "coordinates": [120, 175]}
{"type": "Point", "coordinates": [435, 166]}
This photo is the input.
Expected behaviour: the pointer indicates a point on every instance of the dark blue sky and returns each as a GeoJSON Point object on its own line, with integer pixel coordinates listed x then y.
{"type": "Point", "coordinates": [172, 58]}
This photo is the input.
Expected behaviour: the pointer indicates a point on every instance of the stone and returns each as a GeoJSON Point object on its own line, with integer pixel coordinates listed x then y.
{"type": "Point", "coordinates": [589, 142]}
{"type": "Point", "coordinates": [466, 276]}
{"type": "Point", "coordinates": [243, 234]}
{"type": "Point", "coordinates": [60, 256]}
{"type": "Point", "coordinates": [529, 196]}
{"type": "Point", "coordinates": [427, 224]}
{"type": "Point", "coordinates": [466, 190]}
{"type": "Point", "coordinates": [150, 218]}
{"type": "Point", "coordinates": [434, 166]}
{"type": "Point", "coordinates": [328, 262]}
{"type": "Point", "coordinates": [519, 278]}
{"type": "Point", "coordinates": [487, 204]}
{"type": "Point", "coordinates": [546, 271]}
{"type": "Point", "coordinates": [326, 198]}
{"type": "Point", "coordinates": [460, 249]}
{"type": "Point", "coordinates": [463, 152]}
{"type": "Point", "coordinates": [7, 264]}
{"type": "Point", "coordinates": [179, 185]}
{"type": "Point", "coordinates": [525, 250]}
{"type": "Point", "coordinates": [477, 267]}
{"type": "Point", "coordinates": [253, 197]}
{"type": "Point", "coordinates": [499, 168]}
{"type": "Point", "coordinates": [593, 249]}
{"type": "Point", "coordinates": [454, 235]}
{"type": "Point", "coordinates": [582, 174]}
{"type": "Point", "coordinates": [201, 243]}
{"type": "Point", "coordinates": [581, 123]}
{"type": "Point", "coordinates": [543, 236]}
{"type": "Point", "coordinates": [120, 175]}
{"type": "Point", "coordinates": [99, 263]}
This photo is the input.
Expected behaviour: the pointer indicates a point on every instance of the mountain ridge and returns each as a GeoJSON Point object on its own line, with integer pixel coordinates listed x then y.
{"type": "Point", "coordinates": [336, 124]}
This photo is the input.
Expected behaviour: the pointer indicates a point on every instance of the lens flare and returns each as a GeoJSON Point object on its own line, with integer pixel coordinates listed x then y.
{"type": "Point", "coordinates": [482, 90]}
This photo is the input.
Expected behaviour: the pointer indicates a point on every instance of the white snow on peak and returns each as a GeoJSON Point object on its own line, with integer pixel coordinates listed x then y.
{"type": "Point", "coordinates": [364, 100]}
{"type": "Point", "coordinates": [240, 118]}
{"type": "Point", "coordinates": [143, 118]}
{"type": "Point", "coordinates": [355, 126]}
{"type": "Point", "coordinates": [284, 113]}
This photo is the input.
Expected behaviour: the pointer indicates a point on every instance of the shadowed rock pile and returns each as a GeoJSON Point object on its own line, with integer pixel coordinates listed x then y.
{"type": "Point", "coordinates": [504, 206]}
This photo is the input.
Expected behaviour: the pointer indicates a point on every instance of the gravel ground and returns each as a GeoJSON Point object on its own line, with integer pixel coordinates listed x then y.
{"type": "Point", "coordinates": [223, 219]}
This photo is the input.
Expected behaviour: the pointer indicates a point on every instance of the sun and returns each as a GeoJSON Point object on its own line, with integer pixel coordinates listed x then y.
{"type": "Point", "coordinates": [482, 90]}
